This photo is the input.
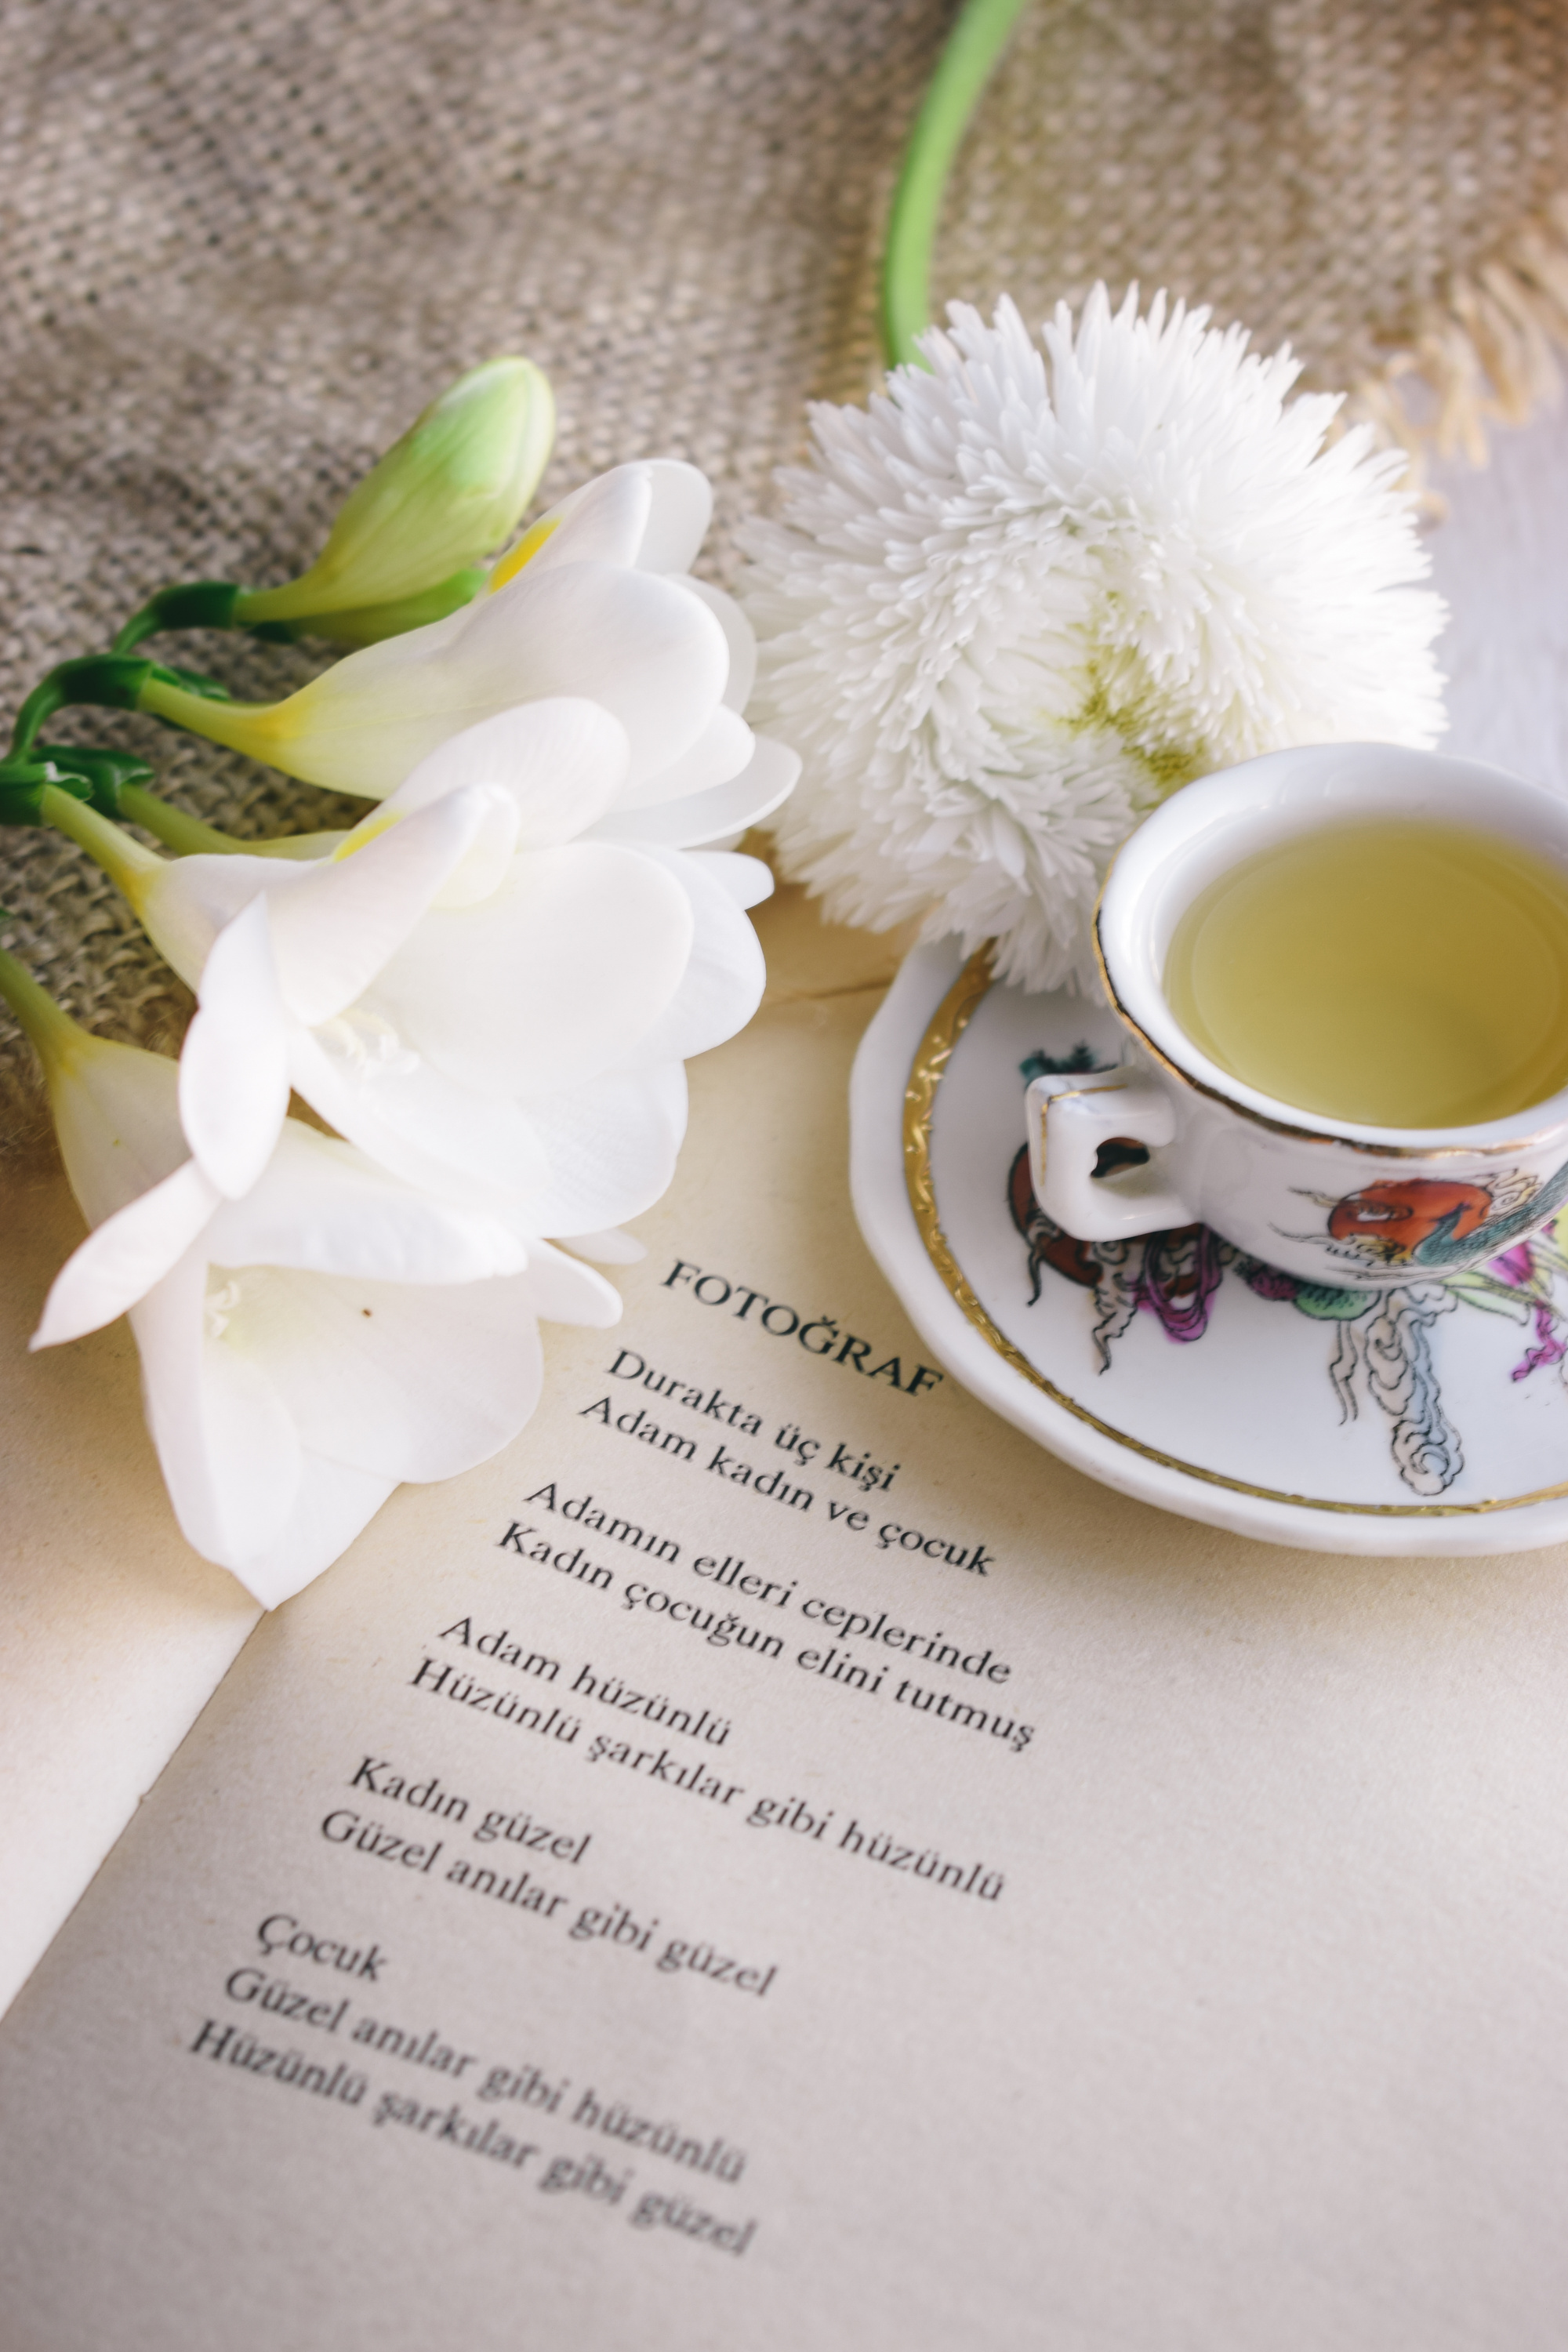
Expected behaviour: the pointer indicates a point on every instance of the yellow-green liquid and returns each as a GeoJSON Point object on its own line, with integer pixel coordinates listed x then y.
{"type": "Point", "coordinates": [1390, 972]}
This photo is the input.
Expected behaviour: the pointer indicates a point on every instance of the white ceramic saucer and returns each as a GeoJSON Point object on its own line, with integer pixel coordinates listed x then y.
{"type": "Point", "coordinates": [1433, 1419]}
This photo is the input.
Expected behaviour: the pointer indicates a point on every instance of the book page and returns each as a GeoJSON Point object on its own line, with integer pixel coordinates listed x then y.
{"type": "Point", "coordinates": [776, 1859]}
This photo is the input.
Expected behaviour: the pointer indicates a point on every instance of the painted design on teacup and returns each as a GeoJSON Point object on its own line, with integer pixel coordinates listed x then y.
{"type": "Point", "coordinates": [1382, 1355]}
{"type": "Point", "coordinates": [1432, 1222]}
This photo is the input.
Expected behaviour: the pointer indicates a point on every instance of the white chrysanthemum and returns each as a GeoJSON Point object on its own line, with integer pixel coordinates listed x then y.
{"type": "Point", "coordinates": [1022, 597]}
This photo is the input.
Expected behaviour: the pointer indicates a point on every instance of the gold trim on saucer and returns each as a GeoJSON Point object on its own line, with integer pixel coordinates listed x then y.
{"type": "Point", "coordinates": [935, 1051]}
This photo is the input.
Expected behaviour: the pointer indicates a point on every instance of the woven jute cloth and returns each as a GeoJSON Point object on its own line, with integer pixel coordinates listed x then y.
{"type": "Point", "coordinates": [1381, 184]}
{"type": "Point", "coordinates": [242, 248]}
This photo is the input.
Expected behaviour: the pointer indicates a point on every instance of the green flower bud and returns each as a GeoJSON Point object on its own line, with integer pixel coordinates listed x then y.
{"type": "Point", "coordinates": [448, 493]}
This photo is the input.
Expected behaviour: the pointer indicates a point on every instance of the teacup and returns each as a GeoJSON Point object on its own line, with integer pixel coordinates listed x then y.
{"type": "Point", "coordinates": [1336, 1203]}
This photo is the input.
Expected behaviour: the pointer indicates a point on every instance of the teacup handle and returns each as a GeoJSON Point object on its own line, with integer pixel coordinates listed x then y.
{"type": "Point", "coordinates": [1071, 1115]}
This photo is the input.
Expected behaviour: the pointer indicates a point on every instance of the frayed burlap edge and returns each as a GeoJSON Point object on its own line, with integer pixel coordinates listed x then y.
{"type": "Point", "coordinates": [1488, 353]}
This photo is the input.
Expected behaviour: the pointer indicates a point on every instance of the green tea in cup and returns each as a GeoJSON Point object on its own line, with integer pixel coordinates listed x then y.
{"type": "Point", "coordinates": [1389, 971]}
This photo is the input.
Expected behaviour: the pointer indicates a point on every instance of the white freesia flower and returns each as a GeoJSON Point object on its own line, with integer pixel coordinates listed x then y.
{"type": "Point", "coordinates": [476, 987]}
{"type": "Point", "coordinates": [1028, 593]}
{"type": "Point", "coordinates": [596, 603]}
{"type": "Point", "coordinates": [305, 1348]}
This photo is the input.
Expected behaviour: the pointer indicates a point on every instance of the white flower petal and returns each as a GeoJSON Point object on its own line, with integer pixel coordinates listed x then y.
{"type": "Point", "coordinates": [332, 1504]}
{"type": "Point", "coordinates": [609, 1248]}
{"type": "Point", "coordinates": [722, 984]}
{"type": "Point", "coordinates": [322, 1207]}
{"type": "Point", "coordinates": [484, 864]}
{"type": "Point", "coordinates": [189, 900]}
{"type": "Point", "coordinates": [641, 646]}
{"type": "Point", "coordinates": [680, 510]}
{"type": "Point", "coordinates": [549, 982]}
{"type": "Point", "coordinates": [723, 750]}
{"type": "Point", "coordinates": [740, 637]}
{"type": "Point", "coordinates": [612, 1147]}
{"type": "Point", "coordinates": [230, 1452]}
{"type": "Point", "coordinates": [120, 1263]}
{"type": "Point", "coordinates": [749, 880]}
{"type": "Point", "coordinates": [563, 760]}
{"type": "Point", "coordinates": [117, 1115]}
{"type": "Point", "coordinates": [363, 730]}
{"type": "Point", "coordinates": [605, 521]}
{"type": "Point", "coordinates": [335, 930]}
{"type": "Point", "coordinates": [563, 1291]}
{"type": "Point", "coordinates": [411, 1117]}
{"type": "Point", "coordinates": [234, 1064]}
{"type": "Point", "coordinates": [402, 1379]}
{"type": "Point", "coordinates": [292, 846]}
{"type": "Point", "coordinates": [653, 513]}
{"type": "Point", "coordinates": [716, 814]}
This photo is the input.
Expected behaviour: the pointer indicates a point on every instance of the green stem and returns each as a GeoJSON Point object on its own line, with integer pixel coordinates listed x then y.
{"type": "Point", "coordinates": [124, 861]}
{"type": "Point", "coordinates": [241, 726]}
{"type": "Point", "coordinates": [189, 837]}
{"type": "Point", "coordinates": [107, 680]}
{"type": "Point", "coordinates": [187, 834]}
{"type": "Point", "coordinates": [972, 49]}
{"type": "Point", "coordinates": [114, 682]}
{"type": "Point", "coordinates": [52, 1031]}
{"type": "Point", "coordinates": [276, 612]}
{"type": "Point", "coordinates": [193, 604]}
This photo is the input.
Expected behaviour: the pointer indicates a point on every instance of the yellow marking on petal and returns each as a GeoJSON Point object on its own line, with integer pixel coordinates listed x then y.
{"type": "Point", "coordinates": [366, 831]}
{"type": "Point", "coordinates": [527, 547]}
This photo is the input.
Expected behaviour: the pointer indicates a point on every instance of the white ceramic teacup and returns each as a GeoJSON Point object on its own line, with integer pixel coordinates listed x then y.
{"type": "Point", "coordinates": [1335, 1204]}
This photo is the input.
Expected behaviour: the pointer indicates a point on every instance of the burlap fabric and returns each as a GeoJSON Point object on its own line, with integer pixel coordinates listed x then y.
{"type": "Point", "coordinates": [243, 248]}
{"type": "Point", "coordinates": [1383, 183]}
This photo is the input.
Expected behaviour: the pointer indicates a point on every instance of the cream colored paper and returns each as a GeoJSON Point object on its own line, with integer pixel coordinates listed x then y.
{"type": "Point", "coordinates": [1224, 2011]}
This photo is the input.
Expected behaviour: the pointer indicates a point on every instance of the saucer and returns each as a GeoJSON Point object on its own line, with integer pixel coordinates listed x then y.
{"type": "Point", "coordinates": [1429, 1419]}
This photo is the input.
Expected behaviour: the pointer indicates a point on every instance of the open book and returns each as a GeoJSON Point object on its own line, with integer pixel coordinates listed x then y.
{"type": "Point", "coordinates": [773, 1859]}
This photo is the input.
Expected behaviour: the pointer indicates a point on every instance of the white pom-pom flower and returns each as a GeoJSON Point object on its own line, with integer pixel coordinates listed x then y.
{"type": "Point", "coordinates": [1027, 593]}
